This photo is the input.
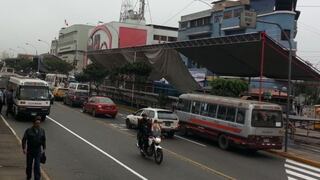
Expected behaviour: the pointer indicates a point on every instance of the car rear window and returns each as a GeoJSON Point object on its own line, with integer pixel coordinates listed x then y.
{"type": "Point", "coordinates": [83, 87]}
{"type": "Point", "coordinates": [167, 115]}
{"type": "Point", "coordinates": [105, 100]}
{"type": "Point", "coordinates": [81, 94]}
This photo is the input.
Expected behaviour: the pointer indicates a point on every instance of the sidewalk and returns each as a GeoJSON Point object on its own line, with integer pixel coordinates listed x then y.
{"type": "Point", "coordinates": [12, 160]}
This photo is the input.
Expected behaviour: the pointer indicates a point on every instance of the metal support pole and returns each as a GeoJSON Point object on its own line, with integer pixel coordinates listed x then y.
{"type": "Point", "coordinates": [263, 36]}
{"type": "Point", "coordinates": [289, 80]}
{"type": "Point", "coordinates": [134, 77]}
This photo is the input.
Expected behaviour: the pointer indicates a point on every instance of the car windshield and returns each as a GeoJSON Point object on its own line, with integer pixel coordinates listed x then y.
{"type": "Point", "coordinates": [105, 100]}
{"type": "Point", "coordinates": [33, 93]}
{"type": "Point", "coordinates": [167, 115]}
{"type": "Point", "coordinates": [83, 87]}
{"type": "Point", "coordinates": [266, 118]}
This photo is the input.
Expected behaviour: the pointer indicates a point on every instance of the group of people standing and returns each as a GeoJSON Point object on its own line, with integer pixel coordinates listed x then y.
{"type": "Point", "coordinates": [6, 98]}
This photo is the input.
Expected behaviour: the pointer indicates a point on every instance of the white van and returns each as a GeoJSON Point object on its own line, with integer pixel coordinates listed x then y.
{"type": "Point", "coordinates": [79, 87]}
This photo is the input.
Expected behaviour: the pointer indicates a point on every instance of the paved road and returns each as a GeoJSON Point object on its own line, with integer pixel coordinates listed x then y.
{"type": "Point", "coordinates": [83, 147]}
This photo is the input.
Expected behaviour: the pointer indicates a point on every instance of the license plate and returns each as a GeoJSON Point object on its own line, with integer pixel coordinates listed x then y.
{"type": "Point", "coordinates": [266, 140]}
{"type": "Point", "coordinates": [167, 124]}
{"type": "Point", "coordinates": [33, 114]}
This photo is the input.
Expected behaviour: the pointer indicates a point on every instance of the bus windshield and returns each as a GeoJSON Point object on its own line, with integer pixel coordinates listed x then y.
{"type": "Point", "coordinates": [34, 93]}
{"type": "Point", "coordinates": [266, 118]}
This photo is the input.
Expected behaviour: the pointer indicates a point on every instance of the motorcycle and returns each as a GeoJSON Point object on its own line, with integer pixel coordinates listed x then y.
{"type": "Point", "coordinates": [153, 149]}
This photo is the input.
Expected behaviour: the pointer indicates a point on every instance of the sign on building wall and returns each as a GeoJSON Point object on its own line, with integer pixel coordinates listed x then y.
{"type": "Point", "coordinates": [248, 19]}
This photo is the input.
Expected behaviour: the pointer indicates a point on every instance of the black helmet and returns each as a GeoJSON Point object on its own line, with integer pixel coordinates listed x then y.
{"type": "Point", "coordinates": [144, 115]}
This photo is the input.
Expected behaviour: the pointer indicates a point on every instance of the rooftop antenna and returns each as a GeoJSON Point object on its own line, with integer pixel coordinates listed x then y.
{"type": "Point", "coordinates": [128, 11]}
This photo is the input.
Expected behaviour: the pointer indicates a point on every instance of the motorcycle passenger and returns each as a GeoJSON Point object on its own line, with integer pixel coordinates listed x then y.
{"type": "Point", "coordinates": [143, 130]}
{"type": "Point", "coordinates": [156, 128]}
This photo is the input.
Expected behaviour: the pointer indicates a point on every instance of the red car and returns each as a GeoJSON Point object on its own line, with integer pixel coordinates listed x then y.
{"type": "Point", "coordinates": [98, 105]}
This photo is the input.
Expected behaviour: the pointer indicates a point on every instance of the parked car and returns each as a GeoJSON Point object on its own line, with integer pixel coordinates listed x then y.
{"type": "Point", "coordinates": [99, 105]}
{"type": "Point", "coordinates": [168, 120]}
{"type": "Point", "coordinates": [59, 93]}
{"type": "Point", "coordinates": [75, 98]}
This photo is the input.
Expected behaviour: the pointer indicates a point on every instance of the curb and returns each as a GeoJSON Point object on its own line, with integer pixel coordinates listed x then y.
{"type": "Point", "coordinates": [296, 158]}
{"type": "Point", "coordinates": [43, 173]}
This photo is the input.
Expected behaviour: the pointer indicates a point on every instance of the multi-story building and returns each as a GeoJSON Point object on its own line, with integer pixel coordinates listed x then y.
{"type": "Point", "coordinates": [224, 20]}
{"type": "Point", "coordinates": [129, 34]}
{"type": "Point", "coordinates": [72, 45]}
{"type": "Point", "coordinates": [54, 47]}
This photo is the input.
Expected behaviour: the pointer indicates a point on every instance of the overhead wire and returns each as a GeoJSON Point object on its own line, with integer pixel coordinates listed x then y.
{"type": "Point", "coordinates": [184, 8]}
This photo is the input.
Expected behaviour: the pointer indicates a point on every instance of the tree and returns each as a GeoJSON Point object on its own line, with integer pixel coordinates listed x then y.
{"type": "Point", "coordinates": [231, 88]}
{"type": "Point", "coordinates": [93, 73]}
{"type": "Point", "coordinates": [57, 65]}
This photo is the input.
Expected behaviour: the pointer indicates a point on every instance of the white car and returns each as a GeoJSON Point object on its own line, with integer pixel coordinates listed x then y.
{"type": "Point", "coordinates": [168, 120]}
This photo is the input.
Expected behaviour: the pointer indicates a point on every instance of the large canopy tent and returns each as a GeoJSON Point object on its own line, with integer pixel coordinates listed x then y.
{"type": "Point", "coordinates": [248, 55]}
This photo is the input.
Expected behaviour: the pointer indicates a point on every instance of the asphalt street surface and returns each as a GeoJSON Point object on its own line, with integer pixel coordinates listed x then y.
{"type": "Point", "coordinates": [80, 146]}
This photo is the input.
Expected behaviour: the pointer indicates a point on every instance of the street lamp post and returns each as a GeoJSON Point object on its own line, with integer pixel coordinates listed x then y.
{"type": "Point", "coordinates": [289, 79]}
{"type": "Point", "coordinates": [38, 69]}
{"type": "Point", "coordinates": [45, 42]}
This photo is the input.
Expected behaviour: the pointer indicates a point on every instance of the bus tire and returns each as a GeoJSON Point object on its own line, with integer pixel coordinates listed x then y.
{"type": "Point", "coordinates": [223, 142]}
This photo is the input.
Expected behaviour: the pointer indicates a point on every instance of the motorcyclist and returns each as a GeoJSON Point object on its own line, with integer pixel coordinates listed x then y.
{"type": "Point", "coordinates": [144, 128]}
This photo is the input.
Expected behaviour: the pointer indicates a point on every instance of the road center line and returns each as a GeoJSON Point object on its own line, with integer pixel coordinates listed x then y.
{"type": "Point", "coordinates": [194, 142]}
{"type": "Point", "coordinates": [98, 149]}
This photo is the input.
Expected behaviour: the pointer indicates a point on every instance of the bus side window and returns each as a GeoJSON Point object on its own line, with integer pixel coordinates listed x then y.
{"type": "Point", "coordinates": [195, 107]}
{"type": "Point", "coordinates": [204, 109]}
{"type": "Point", "coordinates": [222, 112]}
{"type": "Point", "coordinates": [231, 114]}
{"type": "Point", "coordinates": [184, 105]}
{"type": "Point", "coordinates": [241, 116]}
{"type": "Point", "coordinates": [212, 110]}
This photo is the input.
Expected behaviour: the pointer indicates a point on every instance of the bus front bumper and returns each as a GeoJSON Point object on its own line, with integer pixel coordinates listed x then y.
{"type": "Point", "coordinates": [34, 111]}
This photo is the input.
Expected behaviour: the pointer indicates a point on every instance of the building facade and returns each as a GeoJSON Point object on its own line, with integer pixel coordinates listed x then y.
{"type": "Point", "coordinates": [72, 45]}
{"type": "Point", "coordinates": [129, 34]}
{"type": "Point", "coordinates": [224, 20]}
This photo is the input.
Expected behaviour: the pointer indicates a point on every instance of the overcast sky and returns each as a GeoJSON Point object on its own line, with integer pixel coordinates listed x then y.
{"type": "Point", "coordinates": [29, 20]}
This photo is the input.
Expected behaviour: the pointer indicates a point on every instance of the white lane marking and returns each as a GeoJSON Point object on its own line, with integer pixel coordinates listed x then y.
{"type": "Point", "coordinates": [194, 142]}
{"type": "Point", "coordinates": [299, 175]}
{"type": "Point", "coordinates": [100, 150]}
{"type": "Point", "coordinates": [302, 170]}
{"type": "Point", "coordinates": [14, 133]}
{"type": "Point", "coordinates": [291, 178]}
{"type": "Point", "coordinates": [303, 165]}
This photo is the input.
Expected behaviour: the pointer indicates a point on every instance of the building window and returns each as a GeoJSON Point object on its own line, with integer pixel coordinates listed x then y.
{"type": "Point", "coordinates": [284, 33]}
{"type": "Point", "coordinates": [227, 14]}
{"type": "Point", "coordinates": [163, 38]}
{"type": "Point", "coordinates": [183, 25]}
{"type": "Point", "coordinates": [234, 32]}
{"type": "Point", "coordinates": [193, 23]}
{"type": "Point", "coordinates": [217, 19]}
{"type": "Point", "coordinates": [237, 12]}
{"type": "Point", "coordinates": [172, 39]}
{"type": "Point", "coordinates": [156, 37]}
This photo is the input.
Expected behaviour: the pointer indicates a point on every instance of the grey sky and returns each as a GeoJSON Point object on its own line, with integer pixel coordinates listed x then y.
{"type": "Point", "coordinates": [29, 20]}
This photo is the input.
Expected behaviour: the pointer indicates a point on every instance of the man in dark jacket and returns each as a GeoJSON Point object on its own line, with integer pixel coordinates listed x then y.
{"type": "Point", "coordinates": [33, 145]}
{"type": "Point", "coordinates": [9, 98]}
{"type": "Point", "coordinates": [144, 127]}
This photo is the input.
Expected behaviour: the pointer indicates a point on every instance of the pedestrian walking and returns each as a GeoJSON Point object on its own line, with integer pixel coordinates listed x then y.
{"type": "Point", "coordinates": [34, 145]}
{"type": "Point", "coordinates": [9, 99]}
{"type": "Point", "coordinates": [1, 100]}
